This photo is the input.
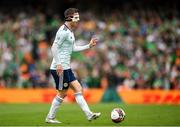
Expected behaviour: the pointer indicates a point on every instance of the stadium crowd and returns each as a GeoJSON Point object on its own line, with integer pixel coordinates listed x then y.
{"type": "Point", "coordinates": [137, 49]}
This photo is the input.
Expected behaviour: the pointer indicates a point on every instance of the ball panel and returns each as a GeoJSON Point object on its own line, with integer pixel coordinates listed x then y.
{"type": "Point", "coordinates": [117, 115]}
{"type": "Point", "coordinates": [114, 115]}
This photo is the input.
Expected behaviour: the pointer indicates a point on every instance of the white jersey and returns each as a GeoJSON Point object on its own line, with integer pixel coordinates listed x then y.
{"type": "Point", "coordinates": [63, 46]}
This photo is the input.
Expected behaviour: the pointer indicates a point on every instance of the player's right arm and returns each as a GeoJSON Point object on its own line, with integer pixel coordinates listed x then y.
{"type": "Point", "coordinates": [84, 47]}
{"type": "Point", "coordinates": [56, 47]}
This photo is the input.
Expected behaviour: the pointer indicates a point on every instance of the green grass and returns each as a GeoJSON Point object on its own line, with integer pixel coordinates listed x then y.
{"type": "Point", "coordinates": [71, 115]}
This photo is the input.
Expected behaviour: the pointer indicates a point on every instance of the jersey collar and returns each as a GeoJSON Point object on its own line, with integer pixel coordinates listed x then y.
{"type": "Point", "coordinates": [67, 27]}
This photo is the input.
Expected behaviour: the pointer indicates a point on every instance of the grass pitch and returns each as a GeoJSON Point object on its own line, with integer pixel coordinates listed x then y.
{"type": "Point", "coordinates": [71, 115]}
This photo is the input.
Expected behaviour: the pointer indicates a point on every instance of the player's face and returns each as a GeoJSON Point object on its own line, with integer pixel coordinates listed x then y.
{"type": "Point", "coordinates": [75, 19]}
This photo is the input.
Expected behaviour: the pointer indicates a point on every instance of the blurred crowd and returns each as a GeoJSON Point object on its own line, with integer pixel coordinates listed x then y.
{"type": "Point", "coordinates": [137, 49]}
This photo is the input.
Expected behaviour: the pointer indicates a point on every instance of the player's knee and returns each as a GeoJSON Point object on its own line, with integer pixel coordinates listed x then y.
{"type": "Point", "coordinates": [76, 86]}
{"type": "Point", "coordinates": [78, 90]}
{"type": "Point", "coordinates": [62, 94]}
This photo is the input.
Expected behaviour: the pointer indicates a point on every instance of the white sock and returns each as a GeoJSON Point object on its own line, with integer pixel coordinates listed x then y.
{"type": "Point", "coordinates": [54, 106]}
{"type": "Point", "coordinates": [82, 103]}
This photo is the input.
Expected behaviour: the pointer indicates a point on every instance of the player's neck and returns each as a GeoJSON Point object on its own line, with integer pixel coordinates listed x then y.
{"type": "Point", "coordinates": [68, 25]}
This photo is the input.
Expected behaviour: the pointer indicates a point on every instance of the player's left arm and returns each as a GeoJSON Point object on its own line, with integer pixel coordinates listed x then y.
{"type": "Point", "coordinates": [84, 47]}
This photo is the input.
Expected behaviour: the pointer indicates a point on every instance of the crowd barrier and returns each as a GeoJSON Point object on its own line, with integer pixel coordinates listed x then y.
{"type": "Point", "coordinates": [150, 96]}
{"type": "Point", "coordinates": [44, 95]}
{"type": "Point", "coordinates": [91, 95]}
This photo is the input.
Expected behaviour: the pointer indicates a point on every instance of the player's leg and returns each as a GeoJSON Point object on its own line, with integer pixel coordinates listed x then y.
{"type": "Point", "coordinates": [58, 99]}
{"type": "Point", "coordinates": [75, 85]}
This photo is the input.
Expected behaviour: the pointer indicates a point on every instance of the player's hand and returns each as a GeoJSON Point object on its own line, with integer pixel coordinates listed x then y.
{"type": "Point", "coordinates": [93, 42]}
{"type": "Point", "coordinates": [59, 69]}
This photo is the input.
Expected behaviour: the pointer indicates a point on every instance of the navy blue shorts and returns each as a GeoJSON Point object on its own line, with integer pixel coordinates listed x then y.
{"type": "Point", "coordinates": [62, 81]}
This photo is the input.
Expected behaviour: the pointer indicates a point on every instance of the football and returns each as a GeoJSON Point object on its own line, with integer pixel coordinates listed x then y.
{"type": "Point", "coordinates": [117, 115]}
